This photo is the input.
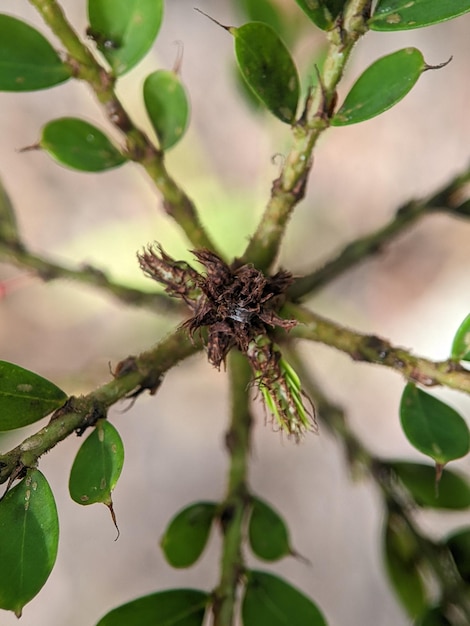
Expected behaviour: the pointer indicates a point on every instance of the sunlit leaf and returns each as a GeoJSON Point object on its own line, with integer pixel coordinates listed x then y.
{"type": "Point", "coordinates": [461, 343]}
{"type": "Point", "coordinates": [270, 600]}
{"type": "Point", "coordinates": [433, 427]}
{"type": "Point", "coordinates": [402, 14]}
{"type": "Point", "coordinates": [79, 145]}
{"type": "Point", "coordinates": [459, 545]}
{"type": "Point", "coordinates": [27, 60]}
{"type": "Point", "coordinates": [383, 84]}
{"type": "Point", "coordinates": [29, 534]}
{"type": "Point", "coordinates": [186, 536]}
{"type": "Point", "coordinates": [420, 480]}
{"type": "Point", "coordinates": [176, 607]}
{"type": "Point", "coordinates": [322, 12]}
{"type": "Point", "coordinates": [25, 397]}
{"type": "Point", "coordinates": [124, 30]}
{"type": "Point", "coordinates": [167, 106]}
{"type": "Point", "coordinates": [267, 532]}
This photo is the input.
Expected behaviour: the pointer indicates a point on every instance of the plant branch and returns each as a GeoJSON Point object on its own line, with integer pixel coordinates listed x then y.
{"type": "Point", "coordinates": [89, 275]}
{"type": "Point", "coordinates": [138, 146]}
{"type": "Point", "coordinates": [132, 377]}
{"type": "Point", "coordinates": [448, 199]}
{"type": "Point", "coordinates": [289, 189]}
{"type": "Point", "coordinates": [236, 503]}
{"type": "Point", "coordinates": [373, 349]}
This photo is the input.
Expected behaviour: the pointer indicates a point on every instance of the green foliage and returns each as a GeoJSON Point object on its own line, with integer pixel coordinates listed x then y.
{"type": "Point", "coordinates": [177, 607]}
{"type": "Point", "coordinates": [461, 343]}
{"type": "Point", "coordinates": [432, 426]}
{"type": "Point", "coordinates": [323, 13]}
{"type": "Point", "coordinates": [29, 537]}
{"type": "Point", "coordinates": [25, 397]}
{"type": "Point", "coordinates": [186, 536]}
{"type": "Point", "coordinates": [392, 15]}
{"type": "Point", "coordinates": [459, 546]}
{"type": "Point", "coordinates": [268, 533]}
{"type": "Point", "coordinates": [8, 225]}
{"type": "Point", "coordinates": [124, 30]}
{"type": "Point", "coordinates": [79, 145]}
{"type": "Point", "coordinates": [27, 60]}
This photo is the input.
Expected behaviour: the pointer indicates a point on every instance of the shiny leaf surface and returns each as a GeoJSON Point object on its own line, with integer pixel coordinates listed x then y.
{"type": "Point", "coordinates": [391, 15]}
{"type": "Point", "coordinates": [267, 532]}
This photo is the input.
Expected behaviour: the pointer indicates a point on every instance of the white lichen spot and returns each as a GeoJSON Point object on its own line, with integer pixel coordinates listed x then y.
{"type": "Point", "coordinates": [409, 5]}
{"type": "Point", "coordinates": [101, 435]}
{"type": "Point", "coordinates": [24, 387]}
{"type": "Point", "coordinates": [35, 486]}
{"type": "Point", "coordinates": [84, 498]}
{"type": "Point", "coordinates": [312, 4]}
{"type": "Point", "coordinates": [114, 448]}
{"type": "Point", "coordinates": [90, 137]}
{"type": "Point", "coordinates": [27, 495]}
{"type": "Point", "coordinates": [286, 113]}
{"type": "Point", "coordinates": [103, 483]}
{"type": "Point", "coordinates": [394, 18]}
{"type": "Point", "coordinates": [26, 506]}
{"type": "Point", "coordinates": [292, 84]}
{"type": "Point", "coordinates": [28, 481]}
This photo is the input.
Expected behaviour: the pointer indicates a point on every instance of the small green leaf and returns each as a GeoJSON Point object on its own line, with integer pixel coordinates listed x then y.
{"type": "Point", "coordinates": [433, 427]}
{"type": "Point", "coordinates": [124, 30]}
{"type": "Point", "coordinates": [264, 11]}
{"type": "Point", "coordinates": [268, 534]}
{"type": "Point", "coordinates": [167, 106]}
{"type": "Point", "coordinates": [8, 227]}
{"type": "Point", "coordinates": [97, 466]}
{"type": "Point", "coordinates": [459, 546]}
{"type": "Point", "coordinates": [25, 397]}
{"type": "Point", "coordinates": [420, 480]}
{"type": "Point", "coordinates": [271, 600]}
{"type": "Point", "coordinates": [323, 13]}
{"type": "Point", "coordinates": [383, 84]}
{"type": "Point", "coordinates": [29, 536]}
{"type": "Point", "coordinates": [390, 15]}
{"type": "Point", "coordinates": [186, 536]}
{"type": "Point", "coordinates": [401, 554]}
{"type": "Point", "coordinates": [79, 145]}
{"type": "Point", "coordinates": [268, 68]}
{"type": "Point", "coordinates": [461, 343]}
{"type": "Point", "coordinates": [27, 60]}
{"type": "Point", "coordinates": [176, 607]}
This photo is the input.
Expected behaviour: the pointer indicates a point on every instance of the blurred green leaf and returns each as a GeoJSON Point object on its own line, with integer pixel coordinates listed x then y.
{"type": "Point", "coordinates": [401, 560]}
{"type": "Point", "coordinates": [391, 15]}
{"type": "Point", "coordinates": [270, 600]}
{"type": "Point", "coordinates": [461, 343]}
{"type": "Point", "coordinates": [176, 607]}
{"type": "Point", "coordinates": [420, 480]}
{"type": "Point", "coordinates": [433, 617]}
{"type": "Point", "coordinates": [8, 227]}
{"type": "Point", "coordinates": [27, 60]}
{"type": "Point", "coordinates": [323, 13]}
{"type": "Point", "coordinates": [167, 106]}
{"type": "Point", "coordinates": [268, 534]}
{"type": "Point", "coordinates": [97, 466]}
{"type": "Point", "coordinates": [186, 536]}
{"type": "Point", "coordinates": [124, 30]}
{"type": "Point", "coordinates": [25, 397]}
{"type": "Point", "coordinates": [79, 145]}
{"type": "Point", "coordinates": [433, 427]}
{"type": "Point", "coordinates": [29, 536]}
{"type": "Point", "coordinates": [265, 11]}
{"type": "Point", "coordinates": [382, 85]}
{"type": "Point", "coordinates": [459, 545]}
{"type": "Point", "coordinates": [268, 68]}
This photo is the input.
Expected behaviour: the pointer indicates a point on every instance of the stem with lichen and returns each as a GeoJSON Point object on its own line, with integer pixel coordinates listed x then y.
{"type": "Point", "coordinates": [138, 146]}
{"type": "Point", "coordinates": [236, 502]}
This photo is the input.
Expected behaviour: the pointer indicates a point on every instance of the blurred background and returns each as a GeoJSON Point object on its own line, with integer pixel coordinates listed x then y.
{"type": "Point", "coordinates": [415, 294]}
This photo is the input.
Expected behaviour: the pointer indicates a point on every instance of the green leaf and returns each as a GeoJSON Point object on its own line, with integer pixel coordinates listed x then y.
{"type": "Point", "coordinates": [383, 84]}
{"type": "Point", "coordinates": [461, 343]}
{"type": "Point", "coordinates": [25, 397]}
{"type": "Point", "coordinates": [322, 12]}
{"type": "Point", "coordinates": [420, 480]}
{"type": "Point", "coordinates": [27, 60]}
{"type": "Point", "coordinates": [264, 11]}
{"type": "Point", "coordinates": [8, 227]}
{"type": "Point", "coordinates": [401, 554]}
{"type": "Point", "coordinates": [79, 145]}
{"type": "Point", "coordinates": [268, 534]}
{"type": "Point", "coordinates": [167, 106]}
{"type": "Point", "coordinates": [433, 617]}
{"type": "Point", "coordinates": [459, 546]}
{"type": "Point", "coordinates": [268, 68]}
{"type": "Point", "coordinates": [124, 30]}
{"type": "Point", "coordinates": [433, 427]}
{"type": "Point", "coordinates": [97, 466]}
{"type": "Point", "coordinates": [29, 536]}
{"type": "Point", "coordinates": [271, 600]}
{"type": "Point", "coordinates": [392, 15]}
{"type": "Point", "coordinates": [186, 536]}
{"type": "Point", "coordinates": [176, 607]}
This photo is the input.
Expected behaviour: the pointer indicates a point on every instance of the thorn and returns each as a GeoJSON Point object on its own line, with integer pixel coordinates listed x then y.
{"type": "Point", "coordinates": [34, 146]}
{"type": "Point", "coordinates": [113, 517]}
{"type": "Point", "coordinates": [438, 66]}
{"type": "Point", "coordinates": [179, 58]}
{"type": "Point", "coordinates": [227, 28]}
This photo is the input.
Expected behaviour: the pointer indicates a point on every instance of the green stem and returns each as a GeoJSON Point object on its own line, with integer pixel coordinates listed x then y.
{"type": "Point", "coordinates": [289, 188]}
{"type": "Point", "coordinates": [373, 349]}
{"type": "Point", "coordinates": [235, 505]}
{"type": "Point", "coordinates": [89, 275]}
{"type": "Point", "coordinates": [132, 376]}
{"type": "Point", "coordinates": [138, 146]}
{"type": "Point", "coordinates": [445, 200]}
